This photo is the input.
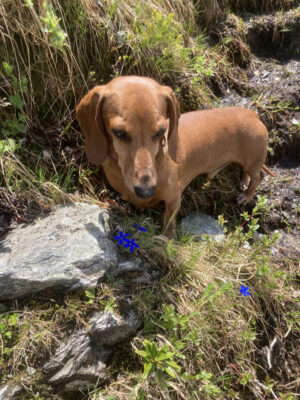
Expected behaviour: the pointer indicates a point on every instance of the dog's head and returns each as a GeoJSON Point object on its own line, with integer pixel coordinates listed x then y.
{"type": "Point", "coordinates": [128, 119]}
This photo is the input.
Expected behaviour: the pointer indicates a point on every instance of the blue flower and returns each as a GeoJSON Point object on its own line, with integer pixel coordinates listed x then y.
{"type": "Point", "coordinates": [131, 243]}
{"type": "Point", "coordinates": [140, 228]}
{"type": "Point", "coordinates": [244, 292]}
{"type": "Point", "coordinates": [122, 237]}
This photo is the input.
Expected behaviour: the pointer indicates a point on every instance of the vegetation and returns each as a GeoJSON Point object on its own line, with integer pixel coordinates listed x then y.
{"type": "Point", "coordinates": [201, 339]}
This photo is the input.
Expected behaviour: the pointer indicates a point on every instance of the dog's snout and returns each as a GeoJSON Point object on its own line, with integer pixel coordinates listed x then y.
{"type": "Point", "coordinates": [145, 179]}
{"type": "Point", "coordinates": [144, 193]}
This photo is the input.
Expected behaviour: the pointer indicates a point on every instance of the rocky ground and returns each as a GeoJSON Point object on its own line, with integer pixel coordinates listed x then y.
{"type": "Point", "coordinates": [273, 90]}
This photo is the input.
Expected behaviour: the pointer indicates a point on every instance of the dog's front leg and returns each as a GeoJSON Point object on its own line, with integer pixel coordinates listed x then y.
{"type": "Point", "coordinates": [169, 217]}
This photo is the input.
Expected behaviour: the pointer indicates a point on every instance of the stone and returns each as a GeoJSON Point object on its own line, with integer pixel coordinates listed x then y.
{"type": "Point", "coordinates": [77, 363]}
{"type": "Point", "coordinates": [9, 391]}
{"type": "Point", "coordinates": [199, 224]}
{"type": "Point", "coordinates": [287, 246]}
{"type": "Point", "coordinates": [80, 361]}
{"type": "Point", "coordinates": [136, 271]}
{"type": "Point", "coordinates": [68, 249]}
{"type": "Point", "coordinates": [109, 329]}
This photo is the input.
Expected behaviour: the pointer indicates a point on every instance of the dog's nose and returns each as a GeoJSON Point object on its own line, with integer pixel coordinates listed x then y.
{"type": "Point", "coordinates": [144, 193]}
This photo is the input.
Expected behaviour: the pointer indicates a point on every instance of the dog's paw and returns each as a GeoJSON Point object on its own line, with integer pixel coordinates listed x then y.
{"type": "Point", "coordinates": [245, 181]}
{"type": "Point", "coordinates": [242, 199]}
{"type": "Point", "coordinates": [244, 186]}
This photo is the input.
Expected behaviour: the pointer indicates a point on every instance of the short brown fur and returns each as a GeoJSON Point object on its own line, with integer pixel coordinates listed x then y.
{"type": "Point", "coordinates": [142, 168]}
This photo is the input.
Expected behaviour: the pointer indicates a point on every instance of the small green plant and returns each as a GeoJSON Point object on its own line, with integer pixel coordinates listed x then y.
{"type": "Point", "coordinates": [203, 68]}
{"type": "Point", "coordinates": [245, 378]}
{"type": "Point", "coordinates": [29, 3]}
{"type": "Point", "coordinates": [8, 325]}
{"type": "Point", "coordinates": [252, 220]}
{"type": "Point", "coordinates": [7, 146]}
{"type": "Point", "coordinates": [211, 293]}
{"type": "Point", "coordinates": [204, 378]}
{"type": "Point", "coordinates": [158, 42]}
{"type": "Point", "coordinates": [13, 126]}
{"type": "Point", "coordinates": [210, 388]}
{"type": "Point", "coordinates": [158, 361]}
{"type": "Point", "coordinates": [109, 305]}
{"type": "Point", "coordinates": [56, 35]}
{"type": "Point", "coordinates": [171, 249]}
{"type": "Point", "coordinates": [172, 321]}
{"type": "Point", "coordinates": [90, 294]}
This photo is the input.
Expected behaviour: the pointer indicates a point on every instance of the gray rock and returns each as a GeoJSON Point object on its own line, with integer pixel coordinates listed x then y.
{"type": "Point", "coordinates": [136, 271]}
{"type": "Point", "coordinates": [125, 267]}
{"type": "Point", "coordinates": [199, 224]}
{"type": "Point", "coordinates": [109, 329]}
{"type": "Point", "coordinates": [287, 246]}
{"type": "Point", "coordinates": [9, 392]}
{"type": "Point", "coordinates": [67, 250]}
{"type": "Point", "coordinates": [77, 363]}
{"type": "Point", "coordinates": [80, 361]}
{"type": "Point", "coordinates": [258, 236]}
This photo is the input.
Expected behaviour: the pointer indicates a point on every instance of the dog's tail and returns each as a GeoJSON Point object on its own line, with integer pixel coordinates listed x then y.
{"type": "Point", "coordinates": [266, 169]}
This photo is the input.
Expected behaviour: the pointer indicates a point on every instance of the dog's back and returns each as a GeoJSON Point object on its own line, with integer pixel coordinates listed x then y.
{"type": "Point", "coordinates": [222, 130]}
{"type": "Point", "coordinates": [214, 138]}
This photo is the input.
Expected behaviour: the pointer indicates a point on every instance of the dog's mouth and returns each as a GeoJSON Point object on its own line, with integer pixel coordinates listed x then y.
{"type": "Point", "coordinates": [144, 193]}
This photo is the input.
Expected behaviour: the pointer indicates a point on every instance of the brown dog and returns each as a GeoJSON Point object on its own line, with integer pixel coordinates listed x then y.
{"type": "Point", "coordinates": [126, 123]}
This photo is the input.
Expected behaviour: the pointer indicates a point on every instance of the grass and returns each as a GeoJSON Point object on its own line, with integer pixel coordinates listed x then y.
{"type": "Point", "coordinates": [195, 312]}
{"type": "Point", "coordinates": [195, 320]}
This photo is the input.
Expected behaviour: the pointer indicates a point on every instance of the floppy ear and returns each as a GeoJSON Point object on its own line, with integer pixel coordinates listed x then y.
{"type": "Point", "coordinates": [89, 116]}
{"type": "Point", "coordinates": [176, 150]}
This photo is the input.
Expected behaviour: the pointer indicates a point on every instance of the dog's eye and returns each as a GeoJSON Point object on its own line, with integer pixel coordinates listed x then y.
{"type": "Point", "coordinates": [160, 133]}
{"type": "Point", "coordinates": [119, 133]}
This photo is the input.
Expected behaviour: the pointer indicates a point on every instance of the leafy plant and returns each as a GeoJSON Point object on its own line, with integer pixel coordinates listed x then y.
{"type": "Point", "coordinates": [109, 305]}
{"type": "Point", "coordinates": [157, 42]}
{"type": "Point", "coordinates": [158, 361]}
{"type": "Point", "coordinates": [17, 125]}
{"type": "Point", "coordinates": [91, 295]}
{"type": "Point", "coordinates": [172, 321]}
{"type": "Point", "coordinates": [203, 68]}
{"type": "Point", "coordinates": [56, 35]}
{"type": "Point", "coordinates": [251, 219]}
{"type": "Point", "coordinates": [8, 145]}
{"type": "Point", "coordinates": [8, 325]}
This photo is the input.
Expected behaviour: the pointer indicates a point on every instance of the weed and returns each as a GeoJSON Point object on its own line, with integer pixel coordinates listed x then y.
{"type": "Point", "coordinates": [51, 26]}
{"type": "Point", "coordinates": [12, 127]}
{"type": "Point", "coordinates": [203, 68]}
{"type": "Point", "coordinates": [90, 294]}
{"type": "Point", "coordinates": [8, 329]}
{"type": "Point", "coordinates": [171, 321]}
{"type": "Point", "coordinates": [159, 361]}
{"type": "Point", "coordinates": [158, 43]}
{"type": "Point", "coordinates": [7, 146]}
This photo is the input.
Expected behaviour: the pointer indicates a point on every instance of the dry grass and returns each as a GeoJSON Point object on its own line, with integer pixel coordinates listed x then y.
{"type": "Point", "coordinates": [58, 76]}
{"type": "Point", "coordinates": [221, 331]}
{"type": "Point", "coordinates": [215, 333]}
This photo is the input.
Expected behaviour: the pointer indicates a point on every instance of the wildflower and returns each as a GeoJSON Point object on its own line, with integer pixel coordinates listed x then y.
{"type": "Point", "coordinates": [244, 292]}
{"type": "Point", "coordinates": [140, 228]}
{"type": "Point", "coordinates": [131, 243]}
{"type": "Point", "coordinates": [122, 237]}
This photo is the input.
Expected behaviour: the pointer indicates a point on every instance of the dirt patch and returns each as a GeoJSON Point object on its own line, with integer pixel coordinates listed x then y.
{"type": "Point", "coordinates": [276, 36]}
